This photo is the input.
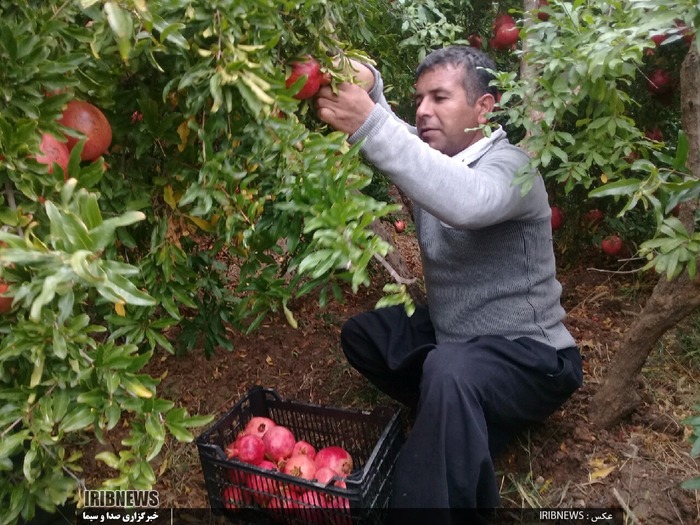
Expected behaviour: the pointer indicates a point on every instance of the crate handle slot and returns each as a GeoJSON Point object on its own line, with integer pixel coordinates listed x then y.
{"type": "Point", "coordinates": [257, 390]}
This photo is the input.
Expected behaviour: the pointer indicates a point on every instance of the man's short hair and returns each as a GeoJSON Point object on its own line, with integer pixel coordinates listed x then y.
{"type": "Point", "coordinates": [474, 64]}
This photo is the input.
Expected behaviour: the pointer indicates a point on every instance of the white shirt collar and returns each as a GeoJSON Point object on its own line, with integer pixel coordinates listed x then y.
{"type": "Point", "coordinates": [480, 147]}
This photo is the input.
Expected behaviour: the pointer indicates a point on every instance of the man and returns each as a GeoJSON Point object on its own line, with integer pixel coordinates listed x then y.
{"type": "Point", "coordinates": [489, 355]}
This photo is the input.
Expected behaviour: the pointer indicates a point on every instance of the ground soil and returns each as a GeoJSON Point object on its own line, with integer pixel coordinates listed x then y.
{"type": "Point", "coordinates": [564, 463]}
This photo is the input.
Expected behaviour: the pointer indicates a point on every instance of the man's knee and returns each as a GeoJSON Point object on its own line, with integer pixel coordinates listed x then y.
{"type": "Point", "coordinates": [453, 364]}
{"type": "Point", "coordinates": [360, 349]}
{"type": "Point", "coordinates": [352, 338]}
{"type": "Point", "coordinates": [442, 365]}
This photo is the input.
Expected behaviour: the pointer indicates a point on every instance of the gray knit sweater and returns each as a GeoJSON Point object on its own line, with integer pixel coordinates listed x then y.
{"type": "Point", "coordinates": [487, 253]}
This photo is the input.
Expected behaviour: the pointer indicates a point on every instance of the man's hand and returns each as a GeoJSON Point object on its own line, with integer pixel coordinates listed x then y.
{"type": "Point", "coordinates": [361, 74]}
{"type": "Point", "coordinates": [345, 111]}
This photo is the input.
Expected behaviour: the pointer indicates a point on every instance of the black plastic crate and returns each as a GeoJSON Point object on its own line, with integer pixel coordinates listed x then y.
{"type": "Point", "coordinates": [373, 439]}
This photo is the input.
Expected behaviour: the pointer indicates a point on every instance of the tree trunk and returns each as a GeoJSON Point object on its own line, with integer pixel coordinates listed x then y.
{"type": "Point", "coordinates": [670, 301]}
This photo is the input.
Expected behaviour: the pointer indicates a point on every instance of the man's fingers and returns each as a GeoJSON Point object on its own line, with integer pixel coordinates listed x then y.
{"type": "Point", "coordinates": [323, 99]}
{"type": "Point", "coordinates": [326, 115]}
{"type": "Point", "coordinates": [323, 103]}
{"type": "Point", "coordinates": [344, 111]}
{"type": "Point", "coordinates": [324, 92]}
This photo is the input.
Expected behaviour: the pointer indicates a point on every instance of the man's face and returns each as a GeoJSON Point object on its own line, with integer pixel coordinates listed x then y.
{"type": "Point", "coordinates": [443, 112]}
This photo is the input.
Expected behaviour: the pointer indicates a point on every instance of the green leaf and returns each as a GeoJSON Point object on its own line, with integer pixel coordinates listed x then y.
{"type": "Point", "coordinates": [103, 235]}
{"type": "Point", "coordinates": [179, 432]}
{"type": "Point", "coordinates": [113, 414]}
{"type": "Point", "coordinates": [78, 418]}
{"type": "Point", "coordinates": [314, 259]}
{"type": "Point", "coordinates": [136, 387]}
{"type": "Point", "coordinates": [154, 427]}
{"type": "Point", "coordinates": [197, 421]}
{"type": "Point", "coordinates": [623, 187]}
{"type": "Point", "coordinates": [84, 267]}
{"type": "Point", "coordinates": [691, 484]}
{"type": "Point", "coordinates": [122, 26]}
{"type": "Point", "coordinates": [68, 188]}
{"type": "Point", "coordinates": [118, 289]}
{"type": "Point", "coordinates": [289, 315]}
{"type": "Point", "coordinates": [682, 148]}
{"type": "Point", "coordinates": [38, 371]}
{"type": "Point", "coordinates": [90, 212]}
{"type": "Point", "coordinates": [258, 86]}
{"type": "Point", "coordinates": [27, 469]}
{"type": "Point", "coordinates": [108, 458]}
{"type": "Point", "coordinates": [93, 398]}
{"type": "Point", "coordinates": [171, 33]}
{"type": "Point", "coordinates": [60, 401]}
{"type": "Point", "coordinates": [48, 292]}
{"type": "Point", "coordinates": [11, 444]}
{"type": "Point", "coordinates": [250, 97]}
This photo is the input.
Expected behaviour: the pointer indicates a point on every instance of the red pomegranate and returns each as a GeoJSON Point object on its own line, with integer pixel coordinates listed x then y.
{"type": "Point", "coordinates": [247, 448]}
{"type": "Point", "coordinates": [304, 447]}
{"type": "Point", "coordinates": [251, 449]}
{"type": "Point", "coordinates": [612, 245]}
{"type": "Point", "coordinates": [311, 508]}
{"type": "Point", "coordinates": [326, 475]}
{"type": "Point", "coordinates": [262, 487]}
{"type": "Point", "coordinates": [53, 150]}
{"type": "Point", "coordinates": [594, 216]}
{"type": "Point", "coordinates": [279, 443]}
{"type": "Point", "coordinates": [300, 466]}
{"type": "Point", "coordinates": [503, 19]}
{"type": "Point", "coordinates": [336, 458]}
{"type": "Point", "coordinates": [284, 501]}
{"type": "Point", "coordinates": [5, 302]}
{"type": "Point", "coordinates": [91, 122]}
{"type": "Point", "coordinates": [235, 498]}
{"type": "Point", "coordinates": [660, 82]}
{"type": "Point", "coordinates": [505, 36]}
{"type": "Point", "coordinates": [557, 218]}
{"type": "Point", "coordinates": [475, 41]}
{"type": "Point", "coordinates": [258, 425]}
{"type": "Point", "coordinates": [311, 69]}
{"type": "Point", "coordinates": [659, 38]}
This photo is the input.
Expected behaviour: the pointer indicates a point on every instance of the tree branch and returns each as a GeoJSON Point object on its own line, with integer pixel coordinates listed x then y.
{"type": "Point", "coordinates": [394, 274]}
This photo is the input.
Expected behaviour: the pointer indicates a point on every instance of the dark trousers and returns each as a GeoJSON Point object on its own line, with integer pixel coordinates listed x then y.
{"type": "Point", "coordinates": [470, 399]}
